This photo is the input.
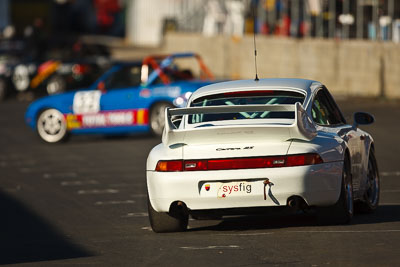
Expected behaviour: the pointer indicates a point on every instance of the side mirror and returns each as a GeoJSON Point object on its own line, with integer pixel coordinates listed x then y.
{"type": "Point", "coordinates": [362, 118]}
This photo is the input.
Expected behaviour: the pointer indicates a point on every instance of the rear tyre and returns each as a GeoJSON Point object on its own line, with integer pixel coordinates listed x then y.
{"type": "Point", "coordinates": [51, 126]}
{"type": "Point", "coordinates": [164, 222]}
{"type": "Point", "coordinates": [371, 196]}
{"type": "Point", "coordinates": [342, 211]}
{"type": "Point", "coordinates": [157, 118]}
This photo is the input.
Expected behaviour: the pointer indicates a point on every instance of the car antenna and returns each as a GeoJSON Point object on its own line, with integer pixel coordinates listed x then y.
{"type": "Point", "coordinates": [254, 42]}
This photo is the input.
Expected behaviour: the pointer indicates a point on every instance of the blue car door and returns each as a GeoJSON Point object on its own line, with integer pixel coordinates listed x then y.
{"type": "Point", "coordinates": [120, 108]}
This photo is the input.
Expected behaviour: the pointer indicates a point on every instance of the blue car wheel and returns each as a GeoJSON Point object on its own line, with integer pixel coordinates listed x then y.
{"type": "Point", "coordinates": [51, 126]}
{"type": "Point", "coordinates": [157, 118]}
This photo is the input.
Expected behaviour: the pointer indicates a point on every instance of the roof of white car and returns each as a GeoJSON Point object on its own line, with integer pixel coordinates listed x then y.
{"type": "Point", "coordinates": [303, 85]}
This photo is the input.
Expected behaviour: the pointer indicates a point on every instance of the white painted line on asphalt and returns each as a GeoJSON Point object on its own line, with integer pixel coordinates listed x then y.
{"type": "Point", "coordinates": [60, 175]}
{"type": "Point", "coordinates": [212, 247]}
{"type": "Point", "coordinates": [135, 214]}
{"type": "Point", "coordinates": [97, 191]}
{"type": "Point", "coordinates": [395, 173]}
{"type": "Point", "coordinates": [139, 195]}
{"type": "Point", "coordinates": [17, 163]}
{"type": "Point", "coordinates": [128, 184]}
{"type": "Point", "coordinates": [75, 183]}
{"type": "Point", "coordinates": [317, 232]}
{"type": "Point", "coordinates": [120, 185]}
{"type": "Point", "coordinates": [25, 170]}
{"type": "Point", "coordinates": [249, 234]}
{"type": "Point", "coordinates": [115, 202]}
{"type": "Point", "coordinates": [13, 189]}
{"type": "Point", "coordinates": [148, 228]}
{"type": "Point", "coordinates": [347, 231]}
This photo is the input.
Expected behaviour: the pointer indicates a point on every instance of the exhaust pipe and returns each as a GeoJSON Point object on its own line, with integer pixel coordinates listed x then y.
{"type": "Point", "coordinates": [293, 203]}
{"type": "Point", "coordinates": [178, 208]}
{"type": "Point", "coordinates": [296, 203]}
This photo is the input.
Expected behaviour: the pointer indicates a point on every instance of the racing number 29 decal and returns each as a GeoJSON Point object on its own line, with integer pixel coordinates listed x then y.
{"type": "Point", "coordinates": [86, 102]}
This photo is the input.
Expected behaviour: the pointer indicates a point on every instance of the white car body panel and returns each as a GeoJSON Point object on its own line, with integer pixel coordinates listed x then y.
{"type": "Point", "coordinates": [304, 181]}
{"type": "Point", "coordinates": [245, 149]}
{"type": "Point", "coordinates": [329, 149]}
{"type": "Point", "coordinates": [301, 127]}
{"type": "Point", "coordinates": [318, 185]}
{"type": "Point", "coordinates": [160, 151]}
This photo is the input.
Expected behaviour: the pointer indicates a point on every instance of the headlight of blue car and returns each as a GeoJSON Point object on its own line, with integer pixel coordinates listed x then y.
{"type": "Point", "coordinates": [182, 100]}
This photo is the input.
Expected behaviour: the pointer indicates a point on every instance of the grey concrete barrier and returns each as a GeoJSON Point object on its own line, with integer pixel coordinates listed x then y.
{"type": "Point", "coordinates": [348, 68]}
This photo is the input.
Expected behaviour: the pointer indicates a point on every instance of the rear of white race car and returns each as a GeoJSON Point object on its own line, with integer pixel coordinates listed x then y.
{"type": "Point", "coordinates": [254, 181]}
{"type": "Point", "coordinates": [239, 166]}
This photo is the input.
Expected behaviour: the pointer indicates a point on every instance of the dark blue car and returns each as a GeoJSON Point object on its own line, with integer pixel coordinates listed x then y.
{"type": "Point", "coordinates": [128, 98]}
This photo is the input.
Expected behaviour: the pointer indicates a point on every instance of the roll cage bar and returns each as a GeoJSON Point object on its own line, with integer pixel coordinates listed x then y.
{"type": "Point", "coordinates": [160, 62]}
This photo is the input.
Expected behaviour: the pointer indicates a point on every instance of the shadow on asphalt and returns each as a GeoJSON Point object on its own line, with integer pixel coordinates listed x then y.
{"type": "Point", "coordinates": [25, 237]}
{"type": "Point", "coordinates": [99, 138]}
{"type": "Point", "coordinates": [384, 214]}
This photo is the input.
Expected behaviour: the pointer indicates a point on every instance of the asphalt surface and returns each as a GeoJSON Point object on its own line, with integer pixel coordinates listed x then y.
{"type": "Point", "coordinates": [84, 203]}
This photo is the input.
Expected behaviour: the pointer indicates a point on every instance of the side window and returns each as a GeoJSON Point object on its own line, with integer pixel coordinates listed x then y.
{"type": "Point", "coordinates": [335, 109]}
{"type": "Point", "coordinates": [323, 111]}
{"type": "Point", "coordinates": [127, 76]}
{"type": "Point", "coordinates": [319, 112]}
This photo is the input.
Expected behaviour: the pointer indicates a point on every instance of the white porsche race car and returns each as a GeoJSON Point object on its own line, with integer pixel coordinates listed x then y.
{"type": "Point", "coordinates": [245, 146]}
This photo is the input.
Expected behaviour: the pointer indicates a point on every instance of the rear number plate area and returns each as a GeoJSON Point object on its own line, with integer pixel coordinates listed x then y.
{"type": "Point", "coordinates": [228, 189]}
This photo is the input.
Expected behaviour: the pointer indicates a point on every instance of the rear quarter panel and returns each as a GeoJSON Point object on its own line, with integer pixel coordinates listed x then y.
{"type": "Point", "coordinates": [330, 148]}
{"type": "Point", "coordinates": [162, 152]}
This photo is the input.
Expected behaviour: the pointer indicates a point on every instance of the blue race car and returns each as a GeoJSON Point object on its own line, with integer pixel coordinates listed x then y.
{"type": "Point", "coordinates": [128, 98]}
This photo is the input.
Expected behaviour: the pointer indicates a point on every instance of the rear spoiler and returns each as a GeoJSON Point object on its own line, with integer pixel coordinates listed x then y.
{"type": "Point", "coordinates": [302, 128]}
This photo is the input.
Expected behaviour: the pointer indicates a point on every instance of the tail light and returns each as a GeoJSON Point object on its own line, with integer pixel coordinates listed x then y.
{"type": "Point", "coordinates": [246, 163]}
{"type": "Point", "coordinates": [238, 163]}
{"type": "Point", "coordinates": [195, 165]}
{"type": "Point", "coordinates": [169, 166]}
{"type": "Point", "coordinates": [305, 159]}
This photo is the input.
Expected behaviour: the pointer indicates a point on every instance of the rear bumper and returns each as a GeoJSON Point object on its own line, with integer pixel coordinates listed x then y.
{"type": "Point", "coordinates": [318, 185]}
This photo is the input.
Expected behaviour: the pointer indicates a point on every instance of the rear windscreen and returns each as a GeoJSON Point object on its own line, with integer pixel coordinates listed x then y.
{"type": "Point", "coordinates": [246, 98]}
